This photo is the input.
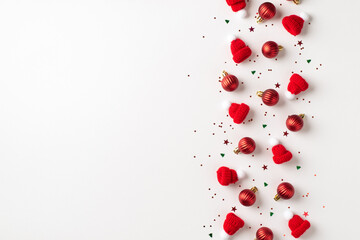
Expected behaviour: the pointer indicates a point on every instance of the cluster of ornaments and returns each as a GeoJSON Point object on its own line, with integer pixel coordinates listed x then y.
{"type": "Point", "coordinates": [239, 111]}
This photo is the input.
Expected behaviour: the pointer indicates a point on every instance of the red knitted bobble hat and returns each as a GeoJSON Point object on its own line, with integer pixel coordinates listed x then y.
{"type": "Point", "coordinates": [238, 6]}
{"type": "Point", "coordinates": [239, 50]}
{"type": "Point", "coordinates": [231, 225]}
{"type": "Point", "coordinates": [296, 85]}
{"type": "Point", "coordinates": [227, 176]}
{"type": "Point", "coordinates": [237, 112]}
{"type": "Point", "coordinates": [281, 155]}
{"type": "Point", "coordinates": [297, 225]}
{"type": "Point", "coordinates": [294, 24]}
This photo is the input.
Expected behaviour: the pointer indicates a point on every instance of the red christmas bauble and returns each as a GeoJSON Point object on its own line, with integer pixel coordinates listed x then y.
{"type": "Point", "coordinates": [284, 191]}
{"type": "Point", "coordinates": [247, 197]}
{"type": "Point", "coordinates": [267, 10]}
{"type": "Point", "coordinates": [295, 122]}
{"type": "Point", "coordinates": [229, 82]}
{"type": "Point", "coordinates": [271, 49]}
{"type": "Point", "coordinates": [246, 146]}
{"type": "Point", "coordinates": [264, 233]}
{"type": "Point", "coordinates": [270, 97]}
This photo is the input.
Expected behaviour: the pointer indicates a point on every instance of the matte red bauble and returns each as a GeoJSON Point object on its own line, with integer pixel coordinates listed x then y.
{"type": "Point", "coordinates": [295, 122]}
{"type": "Point", "coordinates": [229, 82]}
{"type": "Point", "coordinates": [247, 197]}
{"type": "Point", "coordinates": [284, 191]}
{"type": "Point", "coordinates": [246, 146]}
{"type": "Point", "coordinates": [264, 233]}
{"type": "Point", "coordinates": [271, 49]}
{"type": "Point", "coordinates": [270, 97]}
{"type": "Point", "coordinates": [267, 10]}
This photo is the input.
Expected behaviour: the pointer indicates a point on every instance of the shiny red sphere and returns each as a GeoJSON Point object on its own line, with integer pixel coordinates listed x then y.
{"type": "Point", "coordinates": [294, 123]}
{"type": "Point", "coordinates": [267, 10]}
{"type": "Point", "coordinates": [264, 233]}
{"type": "Point", "coordinates": [246, 145]}
{"type": "Point", "coordinates": [229, 83]}
{"type": "Point", "coordinates": [285, 190]}
{"type": "Point", "coordinates": [270, 49]}
{"type": "Point", "coordinates": [247, 197]}
{"type": "Point", "coordinates": [270, 97]}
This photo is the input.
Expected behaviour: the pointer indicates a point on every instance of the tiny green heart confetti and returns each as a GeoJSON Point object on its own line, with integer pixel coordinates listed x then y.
{"type": "Point", "coordinates": [222, 154]}
{"type": "Point", "coordinates": [265, 184]}
{"type": "Point", "coordinates": [211, 235]}
{"type": "Point", "coordinates": [308, 61]}
{"type": "Point", "coordinates": [253, 72]}
{"type": "Point", "coordinates": [298, 167]}
{"type": "Point", "coordinates": [271, 213]}
{"type": "Point", "coordinates": [227, 21]}
{"type": "Point", "coordinates": [264, 125]}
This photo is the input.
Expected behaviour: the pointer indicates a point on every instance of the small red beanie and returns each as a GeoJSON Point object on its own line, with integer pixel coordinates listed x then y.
{"type": "Point", "coordinates": [297, 84]}
{"type": "Point", "coordinates": [281, 155]}
{"type": "Point", "coordinates": [236, 5]}
{"type": "Point", "coordinates": [232, 224]}
{"type": "Point", "coordinates": [238, 112]}
{"type": "Point", "coordinates": [227, 176]}
{"type": "Point", "coordinates": [298, 226]}
{"type": "Point", "coordinates": [239, 50]}
{"type": "Point", "coordinates": [293, 24]}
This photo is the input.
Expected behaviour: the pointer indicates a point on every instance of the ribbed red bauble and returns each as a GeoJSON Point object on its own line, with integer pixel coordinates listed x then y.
{"type": "Point", "coordinates": [247, 197]}
{"type": "Point", "coordinates": [267, 10]}
{"type": "Point", "coordinates": [229, 82]}
{"type": "Point", "coordinates": [271, 49]}
{"type": "Point", "coordinates": [264, 233]}
{"type": "Point", "coordinates": [246, 146]}
{"type": "Point", "coordinates": [295, 122]}
{"type": "Point", "coordinates": [295, 1]}
{"type": "Point", "coordinates": [270, 97]}
{"type": "Point", "coordinates": [284, 191]}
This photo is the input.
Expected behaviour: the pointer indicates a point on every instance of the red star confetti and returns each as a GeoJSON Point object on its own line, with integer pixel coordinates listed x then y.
{"type": "Point", "coordinates": [233, 209]}
{"type": "Point", "coordinates": [226, 142]}
{"type": "Point", "coordinates": [251, 29]}
{"type": "Point", "coordinates": [300, 43]}
{"type": "Point", "coordinates": [277, 85]}
{"type": "Point", "coordinates": [286, 133]}
{"type": "Point", "coordinates": [264, 167]}
{"type": "Point", "coordinates": [306, 214]}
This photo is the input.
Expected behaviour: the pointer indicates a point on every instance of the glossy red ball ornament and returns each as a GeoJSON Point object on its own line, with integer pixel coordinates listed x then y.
{"type": "Point", "coordinates": [267, 10]}
{"type": "Point", "coordinates": [246, 146]}
{"type": "Point", "coordinates": [295, 122]}
{"type": "Point", "coordinates": [247, 197]}
{"type": "Point", "coordinates": [229, 82]}
{"type": "Point", "coordinates": [270, 97]}
{"type": "Point", "coordinates": [264, 233]}
{"type": "Point", "coordinates": [271, 49]}
{"type": "Point", "coordinates": [284, 191]}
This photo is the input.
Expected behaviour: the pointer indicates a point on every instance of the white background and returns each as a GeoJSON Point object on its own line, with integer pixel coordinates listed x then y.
{"type": "Point", "coordinates": [98, 112]}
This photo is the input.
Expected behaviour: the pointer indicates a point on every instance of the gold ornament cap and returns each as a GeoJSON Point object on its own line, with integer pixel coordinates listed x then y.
{"type": "Point", "coordinates": [259, 19]}
{"type": "Point", "coordinates": [237, 150]}
{"type": "Point", "coordinates": [296, 1]}
{"type": "Point", "coordinates": [259, 93]}
{"type": "Point", "coordinates": [277, 197]}
{"type": "Point", "coordinates": [254, 189]}
{"type": "Point", "coordinates": [302, 115]}
{"type": "Point", "coordinates": [224, 73]}
{"type": "Point", "coordinates": [280, 47]}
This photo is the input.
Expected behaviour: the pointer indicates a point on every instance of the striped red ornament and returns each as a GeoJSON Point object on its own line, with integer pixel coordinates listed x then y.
{"type": "Point", "coordinates": [229, 82]}
{"type": "Point", "coordinates": [270, 97]}
{"type": "Point", "coordinates": [284, 191]}
{"type": "Point", "coordinates": [295, 122]}
{"type": "Point", "coordinates": [267, 10]}
{"type": "Point", "coordinates": [247, 197]}
{"type": "Point", "coordinates": [264, 233]}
